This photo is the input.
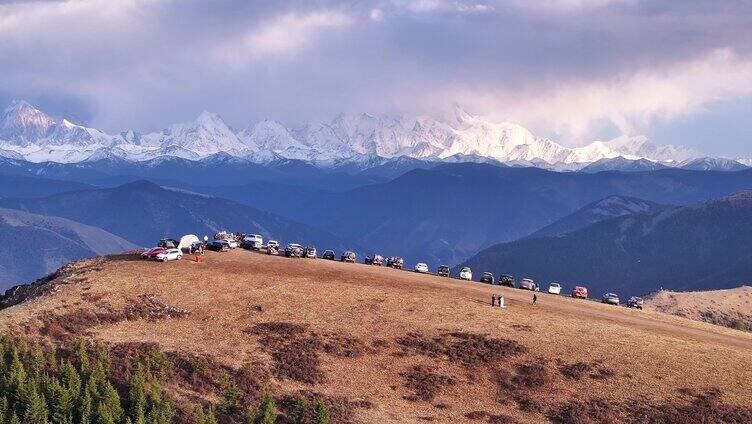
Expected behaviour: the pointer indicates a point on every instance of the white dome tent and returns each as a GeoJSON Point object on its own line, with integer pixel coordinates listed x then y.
{"type": "Point", "coordinates": [186, 241]}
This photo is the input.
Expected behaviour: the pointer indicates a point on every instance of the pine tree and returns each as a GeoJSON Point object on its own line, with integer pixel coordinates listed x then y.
{"type": "Point", "coordinates": [62, 407]}
{"type": "Point", "coordinates": [320, 412]}
{"type": "Point", "coordinates": [198, 415]}
{"type": "Point", "coordinates": [83, 410]}
{"type": "Point", "coordinates": [300, 410]}
{"type": "Point", "coordinates": [82, 354]}
{"type": "Point", "coordinates": [211, 417]}
{"type": "Point", "coordinates": [267, 412]}
{"type": "Point", "coordinates": [102, 415]}
{"type": "Point", "coordinates": [230, 397]}
{"type": "Point", "coordinates": [111, 401]}
{"type": "Point", "coordinates": [16, 377]}
{"type": "Point", "coordinates": [3, 408]}
{"type": "Point", "coordinates": [70, 379]}
{"type": "Point", "coordinates": [36, 409]}
{"type": "Point", "coordinates": [36, 360]}
{"type": "Point", "coordinates": [137, 398]}
{"type": "Point", "coordinates": [14, 419]}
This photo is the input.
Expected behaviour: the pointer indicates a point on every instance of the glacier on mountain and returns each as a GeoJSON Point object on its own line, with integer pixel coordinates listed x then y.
{"type": "Point", "coordinates": [28, 133]}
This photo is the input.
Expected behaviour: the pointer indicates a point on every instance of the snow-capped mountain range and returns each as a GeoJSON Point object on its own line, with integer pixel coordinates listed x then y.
{"type": "Point", "coordinates": [29, 134]}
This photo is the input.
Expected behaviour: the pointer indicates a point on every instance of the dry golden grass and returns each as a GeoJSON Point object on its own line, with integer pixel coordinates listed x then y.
{"type": "Point", "coordinates": [731, 308]}
{"type": "Point", "coordinates": [631, 354]}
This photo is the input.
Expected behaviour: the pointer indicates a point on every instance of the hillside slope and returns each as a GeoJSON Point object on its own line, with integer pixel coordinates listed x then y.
{"type": "Point", "coordinates": [730, 308]}
{"type": "Point", "coordinates": [25, 187]}
{"type": "Point", "coordinates": [381, 345]}
{"type": "Point", "coordinates": [681, 249]}
{"type": "Point", "coordinates": [450, 212]}
{"type": "Point", "coordinates": [601, 210]}
{"type": "Point", "coordinates": [143, 212]}
{"type": "Point", "coordinates": [36, 245]}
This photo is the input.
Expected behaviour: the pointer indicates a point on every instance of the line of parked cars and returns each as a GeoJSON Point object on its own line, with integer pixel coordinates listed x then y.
{"type": "Point", "coordinates": [168, 249]}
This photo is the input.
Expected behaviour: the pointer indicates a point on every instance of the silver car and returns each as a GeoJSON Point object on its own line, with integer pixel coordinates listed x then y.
{"type": "Point", "coordinates": [610, 298]}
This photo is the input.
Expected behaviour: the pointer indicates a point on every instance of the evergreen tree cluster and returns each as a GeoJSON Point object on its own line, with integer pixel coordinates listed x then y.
{"type": "Point", "coordinates": [44, 386]}
{"type": "Point", "coordinates": [38, 386]}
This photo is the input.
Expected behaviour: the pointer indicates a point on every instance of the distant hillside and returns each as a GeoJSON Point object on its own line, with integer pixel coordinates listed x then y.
{"type": "Point", "coordinates": [601, 210]}
{"type": "Point", "coordinates": [729, 308]}
{"type": "Point", "coordinates": [20, 186]}
{"type": "Point", "coordinates": [690, 248]}
{"type": "Point", "coordinates": [143, 212]}
{"type": "Point", "coordinates": [440, 215]}
{"type": "Point", "coordinates": [450, 212]}
{"type": "Point", "coordinates": [216, 170]}
{"type": "Point", "coordinates": [36, 245]}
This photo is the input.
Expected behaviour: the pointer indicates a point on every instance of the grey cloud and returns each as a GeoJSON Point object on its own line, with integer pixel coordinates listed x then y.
{"type": "Point", "coordinates": [145, 64]}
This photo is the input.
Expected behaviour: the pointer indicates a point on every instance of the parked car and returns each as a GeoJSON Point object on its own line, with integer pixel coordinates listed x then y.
{"type": "Point", "coordinates": [168, 243]}
{"type": "Point", "coordinates": [231, 243]}
{"type": "Point", "coordinates": [528, 284]}
{"type": "Point", "coordinates": [378, 260]}
{"type": "Point", "coordinates": [252, 242]}
{"type": "Point", "coordinates": [487, 277]}
{"type": "Point", "coordinates": [217, 246]}
{"type": "Point", "coordinates": [274, 243]}
{"type": "Point", "coordinates": [443, 271]}
{"type": "Point", "coordinates": [507, 280]}
{"type": "Point", "coordinates": [635, 302]}
{"type": "Point", "coordinates": [310, 252]}
{"type": "Point", "coordinates": [170, 255]}
{"type": "Point", "coordinates": [580, 292]}
{"type": "Point", "coordinates": [272, 248]}
{"type": "Point", "coordinates": [554, 288]}
{"type": "Point", "coordinates": [348, 256]}
{"type": "Point", "coordinates": [294, 250]}
{"type": "Point", "coordinates": [152, 253]}
{"type": "Point", "coordinates": [466, 274]}
{"type": "Point", "coordinates": [421, 268]}
{"type": "Point", "coordinates": [395, 262]}
{"type": "Point", "coordinates": [328, 254]}
{"type": "Point", "coordinates": [610, 298]}
{"type": "Point", "coordinates": [368, 260]}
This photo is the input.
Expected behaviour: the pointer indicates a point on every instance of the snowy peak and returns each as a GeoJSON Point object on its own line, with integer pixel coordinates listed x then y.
{"type": "Point", "coordinates": [208, 134]}
{"type": "Point", "coordinates": [23, 124]}
{"type": "Point", "coordinates": [712, 164]}
{"type": "Point", "coordinates": [347, 138]}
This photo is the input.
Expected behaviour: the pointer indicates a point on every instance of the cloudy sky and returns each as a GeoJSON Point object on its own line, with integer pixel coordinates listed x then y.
{"type": "Point", "coordinates": [574, 70]}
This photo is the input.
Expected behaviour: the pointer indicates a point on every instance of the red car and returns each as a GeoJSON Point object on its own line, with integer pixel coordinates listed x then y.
{"type": "Point", "coordinates": [153, 252]}
{"type": "Point", "coordinates": [580, 292]}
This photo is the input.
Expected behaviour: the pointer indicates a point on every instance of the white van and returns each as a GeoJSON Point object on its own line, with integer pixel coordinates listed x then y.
{"type": "Point", "coordinates": [466, 274]}
{"type": "Point", "coordinates": [254, 241]}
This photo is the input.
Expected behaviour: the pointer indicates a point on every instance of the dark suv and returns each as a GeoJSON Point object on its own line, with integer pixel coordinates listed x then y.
{"type": "Point", "coordinates": [377, 260]}
{"type": "Point", "coordinates": [328, 254]}
{"type": "Point", "coordinates": [507, 280]}
{"type": "Point", "coordinates": [487, 277]}
{"type": "Point", "coordinates": [443, 271]}
{"type": "Point", "coordinates": [217, 246]}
